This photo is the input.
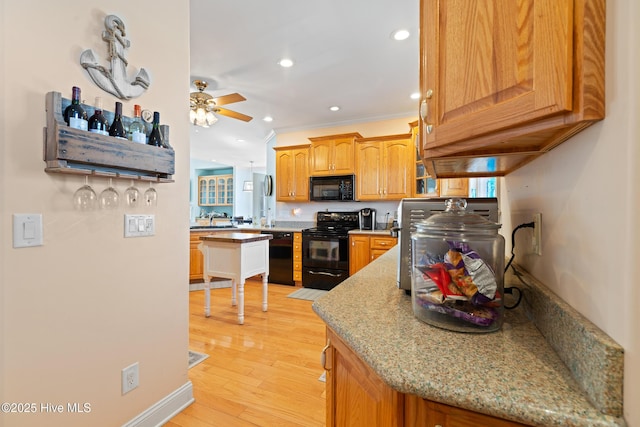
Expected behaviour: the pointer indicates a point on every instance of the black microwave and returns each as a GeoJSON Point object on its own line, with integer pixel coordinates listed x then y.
{"type": "Point", "coordinates": [331, 188]}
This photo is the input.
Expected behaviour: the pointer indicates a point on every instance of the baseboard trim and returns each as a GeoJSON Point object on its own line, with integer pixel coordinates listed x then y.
{"type": "Point", "coordinates": [165, 409]}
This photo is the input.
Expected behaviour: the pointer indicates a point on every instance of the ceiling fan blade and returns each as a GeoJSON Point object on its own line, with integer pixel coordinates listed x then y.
{"type": "Point", "coordinates": [229, 99]}
{"type": "Point", "coordinates": [233, 114]}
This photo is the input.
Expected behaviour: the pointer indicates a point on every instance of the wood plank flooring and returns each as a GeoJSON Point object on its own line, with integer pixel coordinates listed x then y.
{"type": "Point", "coordinates": [263, 373]}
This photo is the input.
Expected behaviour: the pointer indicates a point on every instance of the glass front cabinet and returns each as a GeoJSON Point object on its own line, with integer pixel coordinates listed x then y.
{"type": "Point", "coordinates": [215, 190]}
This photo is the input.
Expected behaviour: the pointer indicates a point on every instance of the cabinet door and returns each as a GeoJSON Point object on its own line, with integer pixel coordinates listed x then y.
{"type": "Point", "coordinates": [211, 191]}
{"type": "Point", "coordinates": [195, 257]}
{"type": "Point", "coordinates": [454, 187]}
{"type": "Point", "coordinates": [424, 413]}
{"type": "Point", "coordinates": [297, 257]}
{"type": "Point", "coordinates": [397, 169]}
{"type": "Point", "coordinates": [202, 191]}
{"type": "Point", "coordinates": [229, 191]}
{"type": "Point", "coordinates": [358, 252]}
{"type": "Point", "coordinates": [343, 156]}
{"type": "Point", "coordinates": [492, 65]}
{"type": "Point", "coordinates": [321, 158]}
{"type": "Point", "coordinates": [301, 175]}
{"type": "Point", "coordinates": [284, 175]}
{"type": "Point", "coordinates": [356, 396]}
{"type": "Point", "coordinates": [221, 189]}
{"type": "Point", "coordinates": [368, 170]}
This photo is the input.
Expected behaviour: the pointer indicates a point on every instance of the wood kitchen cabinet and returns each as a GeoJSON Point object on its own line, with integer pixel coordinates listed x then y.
{"type": "Point", "coordinates": [195, 256]}
{"type": "Point", "coordinates": [332, 155]}
{"type": "Point", "coordinates": [384, 167]}
{"type": "Point", "coordinates": [503, 82]}
{"type": "Point", "coordinates": [427, 186]}
{"type": "Point", "coordinates": [364, 248]}
{"type": "Point", "coordinates": [357, 397]}
{"type": "Point", "coordinates": [215, 190]}
{"type": "Point", "coordinates": [297, 257]}
{"type": "Point", "coordinates": [292, 173]}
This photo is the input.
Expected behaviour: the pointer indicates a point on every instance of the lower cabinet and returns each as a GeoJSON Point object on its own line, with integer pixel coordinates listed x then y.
{"type": "Point", "coordinates": [297, 257]}
{"type": "Point", "coordinates": [364, 248]}
{"type": "Point", "coordinates": [195, 256]}
{"type": "Point", "coordinates": [357, 397]}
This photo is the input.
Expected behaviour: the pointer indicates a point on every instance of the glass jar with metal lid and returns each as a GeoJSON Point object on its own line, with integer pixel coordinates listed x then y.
{"type": "Point", "coordinates": [457, 279]}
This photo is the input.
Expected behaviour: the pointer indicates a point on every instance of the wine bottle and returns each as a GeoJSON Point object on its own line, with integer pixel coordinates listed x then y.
{"type": "Point", "coordinates": [137, 131]}
{"type": "Point", "coordinates": [74, 115]}
{"type": "Point", "coordinates": [98, 122]}
{"type": "Point", "coordinates": [155, 137]}
{"type": "Point", "coordinates": [117, 128]}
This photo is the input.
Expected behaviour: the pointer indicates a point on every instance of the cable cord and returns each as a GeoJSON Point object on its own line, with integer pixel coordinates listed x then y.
{"type": "Point", "coordinates": [513, 241]}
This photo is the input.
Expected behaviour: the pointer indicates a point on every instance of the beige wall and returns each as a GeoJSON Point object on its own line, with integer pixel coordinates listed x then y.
{"type": "Point", "coordinates": [366, 129]}
{"type": "Point", "coordinates": [89, 302]}
{"type": "Point", "coordinates": [588, 192]}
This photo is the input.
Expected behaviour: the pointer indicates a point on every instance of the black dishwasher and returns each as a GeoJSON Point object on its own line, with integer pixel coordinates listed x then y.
{"type": "Point", "coordinates": [281, 257]}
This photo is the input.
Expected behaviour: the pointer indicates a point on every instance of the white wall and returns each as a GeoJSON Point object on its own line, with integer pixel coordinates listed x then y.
{"type": "Point", "coordinates": [89, 302]}
{"type": "Point", "coordinates": [587, 190]}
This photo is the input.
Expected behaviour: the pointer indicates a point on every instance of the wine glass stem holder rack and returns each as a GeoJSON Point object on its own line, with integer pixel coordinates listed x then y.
{"type": "Point", "coordinates": [73, 151]}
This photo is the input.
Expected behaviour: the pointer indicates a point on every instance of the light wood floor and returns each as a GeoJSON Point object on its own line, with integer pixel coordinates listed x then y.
{"type": "Point", "coordinates": [262, 373]}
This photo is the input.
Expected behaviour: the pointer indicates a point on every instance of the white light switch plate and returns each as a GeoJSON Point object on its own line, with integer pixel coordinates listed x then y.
{"type": "Point", "coordinates": [139, 225]}
{"type": "Point", "coordinates": [27, 230]}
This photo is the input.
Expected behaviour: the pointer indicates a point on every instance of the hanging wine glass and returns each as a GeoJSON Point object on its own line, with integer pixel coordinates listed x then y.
{"type": "Point", "coordinates": [150, 196]}
{"type": "Point", "coordinates": [85, 199]}
{"type": "Point", "coordinates": [109, 198]}
{"type": "Point", "coordinates": [132, 196]}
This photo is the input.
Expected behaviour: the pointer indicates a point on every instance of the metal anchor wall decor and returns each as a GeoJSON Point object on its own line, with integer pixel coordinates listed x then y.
{"type": "Point", "coordinates": [114, 80]}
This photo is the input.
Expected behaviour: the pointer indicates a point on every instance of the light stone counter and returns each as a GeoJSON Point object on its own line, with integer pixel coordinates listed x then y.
{"type": "Point", "coordinates": [513, 374]}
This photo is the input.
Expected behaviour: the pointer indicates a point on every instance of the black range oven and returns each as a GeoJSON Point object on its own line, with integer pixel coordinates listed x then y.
{"type": "Point", "coordinates": [325, 250]}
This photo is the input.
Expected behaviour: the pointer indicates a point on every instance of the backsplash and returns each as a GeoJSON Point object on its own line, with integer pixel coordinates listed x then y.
{"type": "Point", "coordinates": [595, 360]}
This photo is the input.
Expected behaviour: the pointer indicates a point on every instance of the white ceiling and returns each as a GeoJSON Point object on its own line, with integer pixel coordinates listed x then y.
{"type": "Point", "coordinates": [343, 55]}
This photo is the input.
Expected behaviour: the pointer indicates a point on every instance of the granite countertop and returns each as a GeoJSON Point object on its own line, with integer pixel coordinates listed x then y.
{"type": "Point", "coordinates": [513, 374]}
{"type": "Point", "coordinates": [375, 232]}
{"type": "Point", "coordinates": [247, 228]}
{"type": "Point", "coordinates": [235, 237]}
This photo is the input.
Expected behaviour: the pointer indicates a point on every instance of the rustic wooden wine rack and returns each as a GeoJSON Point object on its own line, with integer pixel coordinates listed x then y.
{"type": "Point", "coordinates": [73, 151]}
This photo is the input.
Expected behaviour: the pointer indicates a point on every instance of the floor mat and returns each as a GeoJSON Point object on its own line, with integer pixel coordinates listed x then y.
{"type": "Point", "coordinates": [195, 358]}
{"type": "Point", "coordinates": [307, 293]}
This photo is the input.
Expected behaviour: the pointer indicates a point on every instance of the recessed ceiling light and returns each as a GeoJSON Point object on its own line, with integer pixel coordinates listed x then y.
{"type": "Point", "coordinates": [285, 63]}
{"type": "Point", "coordinates": [268, 119]}
{"type": "Point", "coordinates": [400, 35]}
{"type": "Point", "coordinates": [415, 95]}
{"type": "Point", "coordinates": [239, 140]}
{"type": "Point", "coordinates": [334, 108]}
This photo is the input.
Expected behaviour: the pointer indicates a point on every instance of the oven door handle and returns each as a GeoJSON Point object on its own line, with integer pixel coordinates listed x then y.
{"type": "Point", "coordinates": [325, 273]}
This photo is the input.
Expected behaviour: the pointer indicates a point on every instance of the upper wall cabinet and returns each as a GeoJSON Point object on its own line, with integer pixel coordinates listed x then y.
{"type": "Point", "coordinates": [215, 190]}
{"type": "Point", "coordinates": [332, 155]}
{"type": "Point", "coordinates": [504, 82]}
{"type": "Point", "coordinates": [292, 173]}
{"type": "Point", "coordinates": [74, 151]}
{"type": "Point", "coordinates": [384, 167]}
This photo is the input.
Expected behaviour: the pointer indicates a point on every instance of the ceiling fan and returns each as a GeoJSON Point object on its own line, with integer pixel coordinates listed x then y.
{"type": "Point", "coordinates": [204, 105]}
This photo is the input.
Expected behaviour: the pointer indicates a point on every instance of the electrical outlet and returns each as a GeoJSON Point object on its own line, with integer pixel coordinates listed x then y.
{"type": "Point", "coordinates": [130, 378]}
{"type": "Point", "coordinates": [536, 239]}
